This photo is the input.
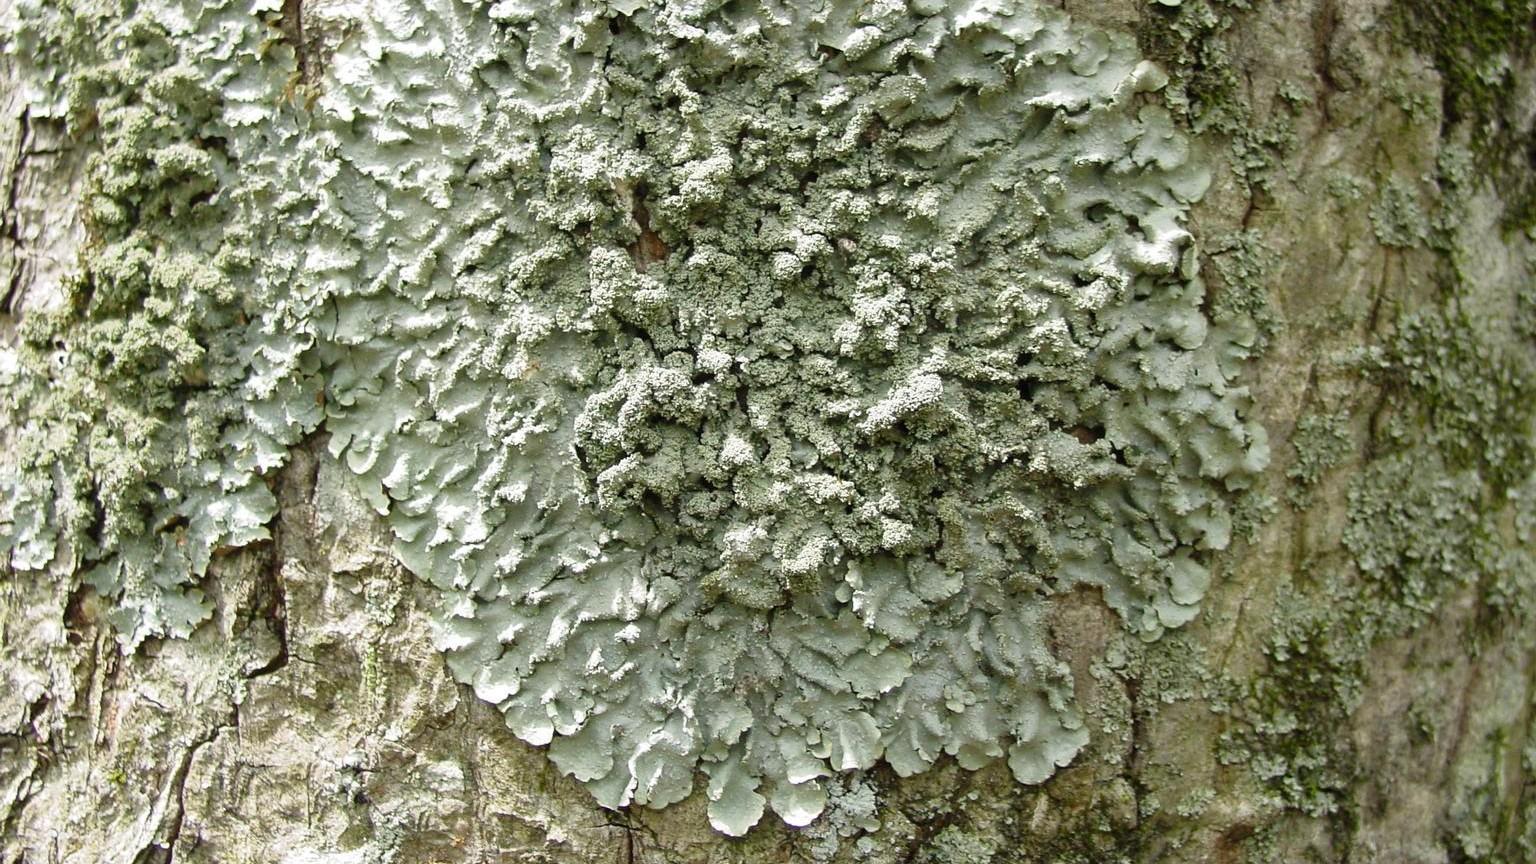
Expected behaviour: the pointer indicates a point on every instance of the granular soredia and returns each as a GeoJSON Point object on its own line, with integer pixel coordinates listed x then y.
{"type": "Point", "coordinates": [747, 377]}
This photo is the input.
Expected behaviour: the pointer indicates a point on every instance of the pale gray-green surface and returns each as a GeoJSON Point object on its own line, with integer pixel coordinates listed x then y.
{"type": "Point", "coordinates": [700, 323]}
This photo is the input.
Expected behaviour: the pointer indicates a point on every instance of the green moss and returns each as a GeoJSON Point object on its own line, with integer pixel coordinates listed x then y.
{"type": "Point", "coordinates": [1191, 41]}
{"type": "Point", "coordinates": [1473, 44]}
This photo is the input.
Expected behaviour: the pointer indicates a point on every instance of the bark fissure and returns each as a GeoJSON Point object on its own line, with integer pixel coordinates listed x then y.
{"type": "Point", "coordinates": [12, 213]}
{"type": "Point", "coordinates": [928, 828]}
{"type": "Point", "coordinates": [164, 852]}
{"type": "Point", "coordinates": [271, 607]}
{"type": "Point", "coordinates": [1326, 26]}
{"type": "Point", "coordinates": [291, 22]}
{"type": "Point", "coordinates": [1134, 758]}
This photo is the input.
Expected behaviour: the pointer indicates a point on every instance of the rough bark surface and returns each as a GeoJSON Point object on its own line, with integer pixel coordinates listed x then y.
{"type": "Point", "coordinates": [1347, 694]}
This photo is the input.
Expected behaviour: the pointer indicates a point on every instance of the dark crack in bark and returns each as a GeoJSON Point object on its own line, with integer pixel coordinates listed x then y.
{"type": "Point", "coordinates": [291, 22]}
{"type": "Point", "coordinates": [930, 828]}
{"type": "Point", "coordinates": [163, 851]}
{"type": "Point", "coordinates": [649, 248]}
{"type": "Point", "coordinates": [10, 218]}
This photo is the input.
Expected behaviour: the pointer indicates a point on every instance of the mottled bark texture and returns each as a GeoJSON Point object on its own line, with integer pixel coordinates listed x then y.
{"type": "Point", "coordinates": [1360, 685]}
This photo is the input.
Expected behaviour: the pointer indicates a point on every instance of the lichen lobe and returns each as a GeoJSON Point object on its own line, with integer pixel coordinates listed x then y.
{"type": "Point", "coordinates": [748, 381]}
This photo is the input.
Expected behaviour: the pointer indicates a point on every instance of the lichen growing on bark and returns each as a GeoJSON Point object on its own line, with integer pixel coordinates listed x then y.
{"type": "Point", "coordinates": [131, 392]}
{"type": "Point", "coordinates": [747, 380]}
{"type": "Point", "coordinates": [1478, 47]}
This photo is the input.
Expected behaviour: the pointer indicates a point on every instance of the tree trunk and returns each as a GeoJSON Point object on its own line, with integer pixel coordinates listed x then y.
{"type": "Point", "coordinates": [1360, 681]}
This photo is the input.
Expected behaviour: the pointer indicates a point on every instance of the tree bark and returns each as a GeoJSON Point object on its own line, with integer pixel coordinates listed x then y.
{"type": "Point", "coordinates": [1359, 686]}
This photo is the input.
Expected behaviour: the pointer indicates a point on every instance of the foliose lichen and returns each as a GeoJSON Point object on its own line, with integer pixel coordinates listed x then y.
{"type": "Point", "coordinates": [746, 379]}
{"type": "Point", "coordinates": [139, 427]}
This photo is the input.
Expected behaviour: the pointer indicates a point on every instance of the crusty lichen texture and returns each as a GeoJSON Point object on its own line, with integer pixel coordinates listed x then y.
{"type": "Point", "coordinates": [143, 403]}
{"type": "Point", "coordinates": [747, 377]}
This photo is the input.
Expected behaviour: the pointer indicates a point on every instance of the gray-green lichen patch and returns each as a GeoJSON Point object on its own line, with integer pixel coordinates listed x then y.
{"type": "Point", "coordinates": [1440, 510]}
{"type": "Point", "coordinates": [1321, 442]}
{"type": "Point", "coordinates": [1397, 217]}
{"type": "Point", "coordinates": [1195, 41]}
{"type": "Point", "coordinates": [132, 391]}
{"type": "Point", "coordinates": [747, 378]}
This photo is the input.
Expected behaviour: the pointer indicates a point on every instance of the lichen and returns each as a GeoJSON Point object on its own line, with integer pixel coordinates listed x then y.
{"type": "Point", "coordinates": [1397, 216]}
{"type": "Point", "coordinates": [954, 845]}
{"type": "Point", "coordinates": [1193, 40]}
{"type": "Point", "coordinates": [1242, 262]}
{"type": "Point", "coordinates": [851, 813]}
{"type": "Point", "coordinates": [1490, 810]}
{"type": "Point", "coordinates": [139, 383]}
{"type": "Point", "coordinates": [1284, 720]}
{"type": "Point", "coordinates": [747, 381]}
{"type": "Point", "coordinates": [1321, 441]}
{"type": "Point", "coordinates": [1427, 520]}
{"type": "Point", "coordinates": [1448, 470]}
{"type": "Point", "coordinates": [1475, 46]}
{"type": "Point", "coordinates": [1476, 395]}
